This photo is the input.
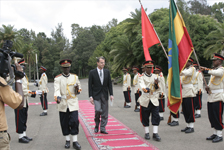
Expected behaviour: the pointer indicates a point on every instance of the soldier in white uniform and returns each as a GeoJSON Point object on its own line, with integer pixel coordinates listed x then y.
{"type": "Point", "coordinates": [42, 86]}
{"type": "Point", "coordinates": [215, 97]}
{"type": "Point", "coordinates": [188, 93]}
{"type": "Point", "coordinates": [148, 101]}
{"type": "Point", "coordinates": [66, 89]}
{"type": "Point", "coordinates": [158, 71]}
{"type": "Point", "coordinates": [127, 88]}
{"type": "Point", "coordinates": [21, 116]}
{"type": "Point", "coordinates": [198, 84]}
{"type": "Point", "coordinates": [137, 89]}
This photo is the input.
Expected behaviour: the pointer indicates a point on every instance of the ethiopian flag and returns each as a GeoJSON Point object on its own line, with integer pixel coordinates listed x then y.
{"type": "Point", "coordinates": [179, 51]}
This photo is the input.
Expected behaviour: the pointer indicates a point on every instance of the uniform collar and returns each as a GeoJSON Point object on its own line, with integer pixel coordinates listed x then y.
{"type": "Point", "coordinates": [147, 74]}
{"type": "Point", "coordinates": [66, 75]}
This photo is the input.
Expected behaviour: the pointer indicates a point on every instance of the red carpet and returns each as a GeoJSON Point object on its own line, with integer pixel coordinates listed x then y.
{"type": "Point", "coordinates": [120, 137]}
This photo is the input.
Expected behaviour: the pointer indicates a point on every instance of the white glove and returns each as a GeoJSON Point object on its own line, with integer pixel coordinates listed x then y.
{"type": "Point", "coordinates": [38, 92]}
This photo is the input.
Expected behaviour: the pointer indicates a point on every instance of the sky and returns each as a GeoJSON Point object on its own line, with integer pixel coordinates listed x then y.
{"type": "Point", "coordinates": [44, 16]}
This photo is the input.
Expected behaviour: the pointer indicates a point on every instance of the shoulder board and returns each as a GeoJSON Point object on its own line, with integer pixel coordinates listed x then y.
{"type": "Point", "coordinates": [58, 75]}
{"type": "Point", "coordinates": [43, 74]}
{"type": "Point", "coordinates": [2, 82]}
{"type": "Point", "coordinates": [141, 75]}
{"type": "Point", "coordinates": [199, 71]}
{"type": "Point", "coordinates": [127, 73]}
{"type": "Point", "coordinates": [138, 73]}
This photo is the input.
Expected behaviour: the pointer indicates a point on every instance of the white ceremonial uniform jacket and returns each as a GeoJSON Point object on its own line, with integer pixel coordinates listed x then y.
{"type": "Point", "coordinates": [216, 84]}
{"type": "Point", "coordinates": [136, 83]}
{"type": "Point", "coordinates": [43, 83]}
{"type": "Point", "coordinates": [162, 85]}
{"type": "Point", "coordinates": [187, 79]}
{"type": "Point", "coordinates": [126, 81]}
{"type": "Point", "coordinates": [198, 81]}
{"type": "Point", "coordinates": [26, 91]}
{"type": "Point", "coordinates": [64, 87]}
{"type": "Point", "coordinates": [147, 81]}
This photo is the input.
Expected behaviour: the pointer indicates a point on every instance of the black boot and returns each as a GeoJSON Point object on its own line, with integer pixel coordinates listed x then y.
{"type": "Point", "coordinates": [217, 139]}
{"type": "Point", "coordinates": [67, 144]}
{"type": "Point", "coordinates": [147, 136]}
{"type": "Point", "coordinates": [211, 137]}
{"type": "Point", "coordinates": [156, 137]}
{"type": "Point", "coordinates": [76, 146]}
{"type": "Point", "coordinates": [23, 140]}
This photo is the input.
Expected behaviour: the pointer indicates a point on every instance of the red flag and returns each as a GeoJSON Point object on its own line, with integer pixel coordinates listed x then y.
{"type": "Point", "coordinates": [149, 37]}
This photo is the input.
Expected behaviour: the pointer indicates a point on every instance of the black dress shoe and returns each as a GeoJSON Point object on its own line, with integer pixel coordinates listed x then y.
{"type": "Point", "coordinates": [217, 139]}
{"type": "Point", "coordinates": [96, 129]}
{"type": "Point", "coordinates": [161, 118]}
{"type": "Point", "coordinates": [174, 123]}
{"type": "Point", "coordinates": [211, 137]}
{"type": "Point", "coordinates": [137, 110]}
{"type": "Point", "coordinates": [156, 137]}
{"type": "Point", "coordinates": [147, 136]}
{"type": "Point", "coordinates": [104, 132]}
{"type": "Point", "coordinates": [26, 137]}
{"type": "Point", "coordinates": [43, 114]}
{"type": "Point", "coordinates": [183, 130]}
{"type": "Point", "coordinates": [76, 146]}
{"type": "Point", "coordinates": [197, 116]}
{"type": "Point", "coordinates": [127, 106]}
{"type": "Point", "coordinates": [189, 130]}
{"type": "Point", "coordinates": [67, 144]}
{"type": "Point", "coordinates": [23, 140]}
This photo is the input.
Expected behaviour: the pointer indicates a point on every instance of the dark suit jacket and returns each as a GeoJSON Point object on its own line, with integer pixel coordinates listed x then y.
{"type": "Point", "coordinates": [95, 86]}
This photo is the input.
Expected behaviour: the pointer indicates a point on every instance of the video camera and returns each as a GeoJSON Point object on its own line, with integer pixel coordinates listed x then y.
{"type": "Point", "coordinates": [6, 56]}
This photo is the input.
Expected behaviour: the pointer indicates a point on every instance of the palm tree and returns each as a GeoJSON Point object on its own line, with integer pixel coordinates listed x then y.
{"type": "Point", "coordinates": [122, 53]}
{"type": "Point", "coordinates": [131, 28]}
{"type": "Point", "coordinates": [9, 33]}
{"type": "Point", "coordinates": [29, 54]}
{"type": "Point", "coordinates": [215, 42]}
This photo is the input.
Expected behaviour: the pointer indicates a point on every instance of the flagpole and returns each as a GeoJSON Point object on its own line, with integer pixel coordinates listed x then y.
{"type": "Point", "coordinates": [157, 36]}
{"type": "Point", "coordinates": [193, 51]}
{"type": "Point", "coordinates": [199, 67]}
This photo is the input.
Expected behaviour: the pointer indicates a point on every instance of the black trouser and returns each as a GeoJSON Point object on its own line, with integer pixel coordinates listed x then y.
{"type": "Point", "coordinates": [198, 102]}
{"type": "Point", "coordinates": [21, 119]}
{"type": "Point", "coordinates": [69, 122]}
{"type": "Point", "coordinates": [43, 100]}
{"type": "Point", "coordinates": [101, 109]}
{"type": "Point", "coordinates": [215, 111]}
{"type": "Point", "coordinates": [175, 115]}
{"type": "Point", "coordinates": [127, 96]}
{"type": "Point", "coordinates": [145, 114]}
{"type": "Point", "coordinates": [137, 95]}
{"type": "Point", "coordinates": [162, 105]}
{"type": "Point", "coordinates": [188, 109]}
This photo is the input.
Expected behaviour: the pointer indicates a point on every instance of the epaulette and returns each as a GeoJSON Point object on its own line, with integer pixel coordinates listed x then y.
{"type": "Point", "coordinates": [141, 75]}
{"type": "Point", "coordinates": [58, 75]}
{"type": "Point", "coordinates": [2, 82]}
{"type": "Point", "coordinates": [127, 73]}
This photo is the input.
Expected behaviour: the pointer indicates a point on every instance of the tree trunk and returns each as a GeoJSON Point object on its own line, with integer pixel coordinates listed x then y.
{"type": "Point", "coordinates": [34, 74]}
{"type": "Point", "coordinates": [29, 71]}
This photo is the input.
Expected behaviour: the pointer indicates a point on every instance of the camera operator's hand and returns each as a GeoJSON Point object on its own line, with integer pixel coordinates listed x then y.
{"type": "Point", "coordinates": [18, 68]}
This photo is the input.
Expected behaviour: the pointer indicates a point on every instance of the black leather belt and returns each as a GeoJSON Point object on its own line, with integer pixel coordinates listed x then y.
{"type": "Point", "coordinates": [3, 131]}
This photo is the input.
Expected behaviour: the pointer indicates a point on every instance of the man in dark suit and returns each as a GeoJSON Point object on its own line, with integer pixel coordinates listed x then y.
{"type": "Point", "coordinates": [99, 86]}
